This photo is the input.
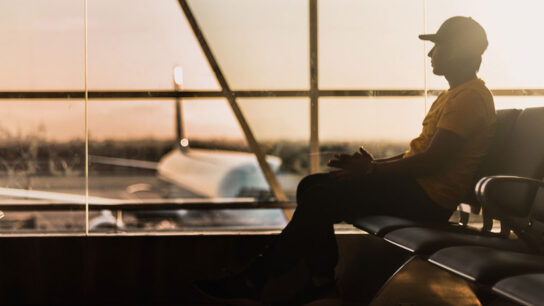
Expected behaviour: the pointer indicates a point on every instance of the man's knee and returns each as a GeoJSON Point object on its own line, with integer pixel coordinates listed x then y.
{"type": "Point", "coordinates": [319, 193]}
{"type": "Point", "coordinates": [312, 180]}
{"type": "Point", "coordinates": [321, 202]}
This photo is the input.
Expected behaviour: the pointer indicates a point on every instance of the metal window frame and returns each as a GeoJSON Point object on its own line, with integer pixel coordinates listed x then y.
{"type": "Point", "coordinates": [141, 205]}
{"type": "Point", "coordinates": [202, 94]}
{"type": "Point", "coordinates": [314, 93]}
{"type": "Point", "coordinates": [314, 89]}
{"type": "Point", "coordinates": [231, 98]}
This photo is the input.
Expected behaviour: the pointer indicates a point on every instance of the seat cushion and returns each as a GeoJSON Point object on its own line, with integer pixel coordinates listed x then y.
{"type": "Point", "coordinates": [425, 241]}
{"type": "Point", "coordinates": [381, 225]}
{"type": "Point", "coordinates": [486, 265]}
{"type": "Point", "coordinates": [525, 289]}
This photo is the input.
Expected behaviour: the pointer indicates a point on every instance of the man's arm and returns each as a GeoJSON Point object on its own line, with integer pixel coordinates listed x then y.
{"type": "Point", "coordinates": [444, 145]}
{"type": "Point", "coordinates": [391, 158]}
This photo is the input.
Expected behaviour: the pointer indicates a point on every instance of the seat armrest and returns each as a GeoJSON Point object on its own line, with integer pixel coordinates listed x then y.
{"type": "Point", "coordinates": [483, 184]}
{"type": "Point", "coordinates": [518, 225]}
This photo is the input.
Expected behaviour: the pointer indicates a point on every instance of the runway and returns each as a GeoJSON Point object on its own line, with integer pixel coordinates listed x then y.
{"type": "Point", "coordinates": [133, 187]}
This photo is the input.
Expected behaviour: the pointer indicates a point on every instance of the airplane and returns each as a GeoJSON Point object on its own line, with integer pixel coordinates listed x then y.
{"type": "Point", "coordinates": [204, 173]}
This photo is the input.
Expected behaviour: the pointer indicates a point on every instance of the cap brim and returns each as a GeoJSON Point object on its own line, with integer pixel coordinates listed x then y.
{"type": "Point", "coordinates": [431, 37]}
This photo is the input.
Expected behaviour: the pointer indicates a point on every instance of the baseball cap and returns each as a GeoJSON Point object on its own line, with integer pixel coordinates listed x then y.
{"type": "Point", "coordinates": [462, 32]}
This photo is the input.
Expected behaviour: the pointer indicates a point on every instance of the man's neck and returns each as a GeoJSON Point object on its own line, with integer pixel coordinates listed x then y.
{"type": "Point", "coordinates": [456, 79]}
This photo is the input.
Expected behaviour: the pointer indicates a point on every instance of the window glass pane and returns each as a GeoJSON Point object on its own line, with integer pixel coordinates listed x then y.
{"type": "Point", "coordinates": [512, 59]}
{"type": "Point", "coordinates": [135, 157]}
{"type": "Point", "coordinates": [212, 121]}
{"type": "Point", "coordinates": [518, 102]}
{"type": "Point", "coordinates": [258, 44]}
{"type": "Point", "coordinates": [384, 126]}
{"type": "Point", "coordinates": [42, 45]}
{"type": "Point", "coordinates": [281, 126]}
{"type": "Point", "coordinates": [135, 45]}
{"type": "Point", "coordinates": [370, 44]}
{"type": "Point", "coordinates": [42, 145]}
{"type": "Point", "coordinates": [42, 162]}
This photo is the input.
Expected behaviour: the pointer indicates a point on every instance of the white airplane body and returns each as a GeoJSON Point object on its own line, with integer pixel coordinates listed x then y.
{"type": "Point", "coordinates": [215, 174]}
{"type": "Point", "coordinates": [207, 173]}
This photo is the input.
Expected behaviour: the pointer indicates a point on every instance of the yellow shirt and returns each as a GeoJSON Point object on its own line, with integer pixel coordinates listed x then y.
{"type": "Point", "coordinates": [468, 111]}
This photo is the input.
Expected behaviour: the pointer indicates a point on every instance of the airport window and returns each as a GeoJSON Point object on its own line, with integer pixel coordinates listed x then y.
{"type": "Point", "coordinates": [42, 163]}
{"type": "Point", "coordinates": [190, 115]}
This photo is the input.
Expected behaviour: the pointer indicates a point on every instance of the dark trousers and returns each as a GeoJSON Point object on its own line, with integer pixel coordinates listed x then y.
{"type": "Point", "coordinates": [323, 201]}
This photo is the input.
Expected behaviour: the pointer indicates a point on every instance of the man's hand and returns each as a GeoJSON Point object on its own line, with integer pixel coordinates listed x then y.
{"type": "Point", "coordinates": [351, 165]}
{"type": "Point", "coordinates": [360, 159]}
{"type": "Point", "coordinates": [364, 152]}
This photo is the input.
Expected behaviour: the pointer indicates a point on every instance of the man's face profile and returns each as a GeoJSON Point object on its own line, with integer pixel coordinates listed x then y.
{"type": "Point", "coordinates": [440, 59]}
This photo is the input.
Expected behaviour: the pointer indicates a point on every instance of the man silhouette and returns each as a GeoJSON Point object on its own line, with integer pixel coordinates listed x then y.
{"type": "Point", "coordinates": [425, 184]}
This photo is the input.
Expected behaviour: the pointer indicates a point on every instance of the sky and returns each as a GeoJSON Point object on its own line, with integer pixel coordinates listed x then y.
{"type": "Point", "coordinates": [259, 44]}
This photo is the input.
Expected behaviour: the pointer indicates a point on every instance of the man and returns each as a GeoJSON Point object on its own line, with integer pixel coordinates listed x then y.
{"type": "Point", "coordinates": [424, 184]}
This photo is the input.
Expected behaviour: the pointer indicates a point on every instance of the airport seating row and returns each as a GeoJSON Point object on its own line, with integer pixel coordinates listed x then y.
{"type": "Point", "coordinates": [509, 264]}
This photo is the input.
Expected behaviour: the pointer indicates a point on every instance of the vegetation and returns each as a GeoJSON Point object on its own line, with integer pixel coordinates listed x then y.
{"type": "Point", "coordinates": [36, 156]}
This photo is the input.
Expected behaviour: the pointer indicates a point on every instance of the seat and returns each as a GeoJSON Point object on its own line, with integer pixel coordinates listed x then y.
{"type": "Point", "coordinates": [524, 289]}
{"type": "Point", "coordinates": [504, 196]}
{"type": "Point", "coordinates": [425, 241]}
{"type": "Point", "coordinates": [516, 201]}
{"type": "Point", "coordinates": [486, 265]}
{"type": "Point", "coordinates": [489, 265]}
{"type": "Point", "coordinates": [381, 225]}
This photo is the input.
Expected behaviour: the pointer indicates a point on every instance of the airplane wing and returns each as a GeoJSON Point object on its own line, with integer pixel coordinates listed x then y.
{"type": "Point", "coordinates": [53, 196]}
{"type": "Point", "coordinates": [123, 162]}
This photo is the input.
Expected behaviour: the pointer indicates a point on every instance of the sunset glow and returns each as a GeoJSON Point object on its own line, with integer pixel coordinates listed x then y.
{"type": "Point", "coordinates": [363, 45]}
